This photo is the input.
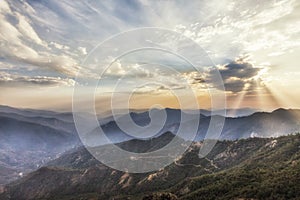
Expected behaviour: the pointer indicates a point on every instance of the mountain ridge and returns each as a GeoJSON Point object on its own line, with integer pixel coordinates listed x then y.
{"type": "Point", "coordinates": [19, 125]}
{"type": "Point", "coordinates": [77, 174]}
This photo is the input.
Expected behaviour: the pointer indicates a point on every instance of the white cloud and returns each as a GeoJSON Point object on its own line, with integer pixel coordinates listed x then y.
{"type": "Point", "coordinates": [82, 50]}
{"type": "Point", "coordinates": [4, 7]}
{"type": "Point", "coordinates": [28, 32]}
{"type": "Point", "coordinates": [7, 79]}
{"type": "Point", "coordinates": [21, 43]}
{"type": "Point", "coordinates": [247, 28]}
{"type": "Point", "coordinates": [59, 46]}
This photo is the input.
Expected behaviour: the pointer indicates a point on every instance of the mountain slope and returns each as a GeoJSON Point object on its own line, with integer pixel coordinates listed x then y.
{"type": "Point", "coordinates": [258, 168]}
{"type": "Point", "coordinates": [260, 124]}
{"type": "Point", "coordinates": [30, 138]}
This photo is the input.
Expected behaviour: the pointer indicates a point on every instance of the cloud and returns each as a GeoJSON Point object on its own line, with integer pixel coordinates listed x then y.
{"type": "Point", "coordinates": [129, 70]}
{"type": "Point", "coordinates": [59, 46]}
{"type": "Point", "coordinates": [82, 50]}
{"type": "Point", "coordinates": [7, 79]}
{"type": "Point", "coordinates": [27, 31]}
{"type": "Point", "coordinates": [157, 89]}
{"type": "Point", "coordinates": [239, 69]}
{"type": "Point", "coordinates": [21, 43]}
{"type": "Point", "coordinates": [257, 28]}
{"type": "Point", "coordinates": [193, 77]}
{"type": "Point", "coordinates": [238, 75]}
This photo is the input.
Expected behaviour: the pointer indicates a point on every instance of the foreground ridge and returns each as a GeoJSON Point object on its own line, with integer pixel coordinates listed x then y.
{"type": "Point", "coordinates": [256, 168]}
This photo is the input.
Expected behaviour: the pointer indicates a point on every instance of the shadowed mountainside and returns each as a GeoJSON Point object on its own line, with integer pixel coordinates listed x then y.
{"type": "Point", "coordinates": [256, 168]}
{"type": "Point", "coordinates": [31, 138]}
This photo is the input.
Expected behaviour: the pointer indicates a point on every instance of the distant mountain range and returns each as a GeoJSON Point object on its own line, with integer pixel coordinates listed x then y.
{"type": "Point", "coordinates": [229, 112]}
{"type": "Point", "coordinates": [31, 138]}
{"type": "Point", "coordinates": [260, 124]}
{"type": "Point", "coordinates": [254, 168]}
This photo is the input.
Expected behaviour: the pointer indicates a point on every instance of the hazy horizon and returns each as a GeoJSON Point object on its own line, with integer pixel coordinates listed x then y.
{"type": "Point", "coordinates": [66, 110]}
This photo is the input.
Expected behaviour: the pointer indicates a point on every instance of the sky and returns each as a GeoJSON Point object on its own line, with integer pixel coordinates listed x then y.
{"type": "Point", "coordinates": [47, 48]}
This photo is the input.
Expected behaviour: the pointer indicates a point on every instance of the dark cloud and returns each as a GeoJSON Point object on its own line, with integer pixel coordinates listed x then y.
{"type": "Point", "coordinates": [238, 75]}
{"type": "Point", "coordinates": [238, 69]}
{"type": "Point", "coordinates": [197, 80]}
{"type": "Point", "coordinates": [234, 86]}
{"type": "Point", "coordinates": [193, 77]}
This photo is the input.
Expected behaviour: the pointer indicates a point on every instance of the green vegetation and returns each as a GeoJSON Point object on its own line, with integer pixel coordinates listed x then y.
{"type": "Point", "coordinates": [254, 168]}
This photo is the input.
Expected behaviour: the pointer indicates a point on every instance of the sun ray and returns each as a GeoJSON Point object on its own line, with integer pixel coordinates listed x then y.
{"type": "Point", "coordinates": [239, 99]}
{"type": "Point", "coordinates": [274, 97]}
